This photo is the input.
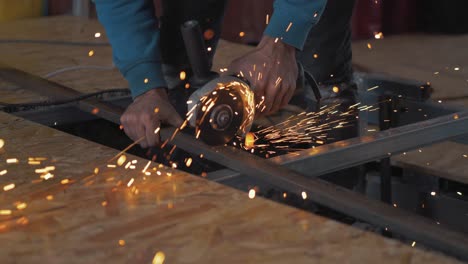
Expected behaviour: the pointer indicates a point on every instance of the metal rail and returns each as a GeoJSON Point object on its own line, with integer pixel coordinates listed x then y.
{"type": "Point", "coordinates": [332, 196]}
{"type": "Point", "coordinates": [348, 153]}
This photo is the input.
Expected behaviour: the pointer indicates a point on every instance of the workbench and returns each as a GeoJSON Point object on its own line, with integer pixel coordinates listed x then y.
{"type": "Point", "coordinates": [80, 216]}
{"type": "Point", "coordinates": [83, 217]}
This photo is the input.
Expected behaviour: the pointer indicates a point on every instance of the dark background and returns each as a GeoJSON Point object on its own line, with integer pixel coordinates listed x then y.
{"type": "Point", "coordinates": [371, 16]}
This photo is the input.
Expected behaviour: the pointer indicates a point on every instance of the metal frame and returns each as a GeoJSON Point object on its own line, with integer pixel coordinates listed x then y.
{"type": "Point", "coordinates": [322, 160]}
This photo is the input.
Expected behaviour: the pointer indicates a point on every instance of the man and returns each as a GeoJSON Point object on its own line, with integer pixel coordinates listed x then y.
{"type": "Point", "coordinates": [148, 56]}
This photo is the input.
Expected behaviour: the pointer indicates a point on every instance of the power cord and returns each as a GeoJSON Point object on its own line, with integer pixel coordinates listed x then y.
{"type": "Point", "coordinates": [10, 108]}
{"type": "Point", "coordinates": [79, 67]}
{"type": "Point", "coordinates": [52, 42]}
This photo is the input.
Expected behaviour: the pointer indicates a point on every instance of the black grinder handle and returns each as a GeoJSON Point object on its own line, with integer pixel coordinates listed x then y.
{"type": "Point", "coordinates": [195, 48]}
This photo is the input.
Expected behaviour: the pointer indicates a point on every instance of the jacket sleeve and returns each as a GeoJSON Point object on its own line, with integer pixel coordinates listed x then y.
{"type": "Point", "coordinates": [132, 29]}
{"type": "Point", "coordinates": [292, 20]}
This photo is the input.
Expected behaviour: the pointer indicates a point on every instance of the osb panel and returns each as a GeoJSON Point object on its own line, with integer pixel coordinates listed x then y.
{"type": "Point", "coordinates": [188, 218]}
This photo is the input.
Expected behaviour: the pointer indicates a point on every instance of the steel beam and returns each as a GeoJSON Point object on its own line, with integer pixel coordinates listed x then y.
{"type": "Point", "coordinates": [352, 152]}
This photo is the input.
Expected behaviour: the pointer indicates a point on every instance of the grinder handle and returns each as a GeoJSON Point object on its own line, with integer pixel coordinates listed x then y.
{"type": "Point", "coordinates": [195, 48]}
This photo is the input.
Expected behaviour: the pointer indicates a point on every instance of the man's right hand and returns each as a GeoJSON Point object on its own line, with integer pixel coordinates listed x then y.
{"type": "Point", "coordinates": [145, 114]}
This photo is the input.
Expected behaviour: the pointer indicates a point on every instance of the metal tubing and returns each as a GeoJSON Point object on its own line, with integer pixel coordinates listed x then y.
{"type": "Point", "coordinates": [352, 152]}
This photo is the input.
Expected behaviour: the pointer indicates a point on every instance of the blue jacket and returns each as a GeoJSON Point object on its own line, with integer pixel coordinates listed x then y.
{"type": "Point", "coordinates": [131, 28]}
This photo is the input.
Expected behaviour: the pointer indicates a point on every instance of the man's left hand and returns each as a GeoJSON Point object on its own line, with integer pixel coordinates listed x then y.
{"type": "Point", "coordinates": [271, 70]}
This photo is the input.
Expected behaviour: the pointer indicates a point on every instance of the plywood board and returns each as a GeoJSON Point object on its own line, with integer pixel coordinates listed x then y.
{"type": "Point", "coordinates": [108, 217]}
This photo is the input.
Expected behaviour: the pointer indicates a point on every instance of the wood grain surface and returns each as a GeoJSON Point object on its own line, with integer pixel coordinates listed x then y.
{"type": "Point", "coordinates": [79, 216]}
{"type": "Point", "coordinates": [425, 58]}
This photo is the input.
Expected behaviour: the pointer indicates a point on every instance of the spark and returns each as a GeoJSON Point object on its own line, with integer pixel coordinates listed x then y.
{"type": "Point", "coordinates": [47, 176]}
{"type": "Point", "coordinates": [456, 69]}
{"type": "Point", "coordinates": [5, 212]}
{"type": "Point", "coordinates": [159, 258]}
{"type": "Point", "coordinates": [369, 46]}
{"type": "Point", "coordinates": [395, 205]}
{"type": "Point", "coordinates": [278, 81]}
{"type": "Point", "coordinates": [9, 187]}
{"type": "Point", "coordinates": [49, 197]}
{"type": "Point", "coordinates": [2, 143]}
{"type": "Point", "coordinates": [336, 89]}
{"type": "Point", "coordinates": [285, 195]}
{"type": "Point", "coordinates": [111, 166]}
{"type": "Point", "coordinates": [252, 193]}
{"type": "Point", "coordinates": [130, 182]}
{"type": "Point", "coordinates": [146, 80]}
{"type": "Point", "coordinates": [378, 35]}
{"type": "Point", "coordinates": [241, 34]}
{"type": "Point", "coordinates": [65, 181]}
{"type": "Point", "coordinates": [121, 160]}
{"type": "Point", "coordinates": [315, 56]}
{"type": "Point", "coordinates": [373, 88]}
{"type": "Point", "coordinates": [460, 193]}
{"type": "Point", "coordinates": [21, 206]}
{"type": "Point", "coordinates": [146, 166]}
{"type": "Point", "coordinates": [182, 75]}
{"type": "Point", "coordinates": [3, 172]}
{"type": "Point", "coordinates": [97, 35]}
{"type": "Point", "coordinates": [104, 203]}
{"type": "Point", "coordinates": [208, 34]}
{"type": "Point", "coordinates": [267, 19]}
{"type": "Point", "coordinates": [91, 53]}
{"type": "Point", "coordinates": [289, 26]}
{"type": "Point", "coordinates": [208, 49]}
{"type": "Point", "coordinates": [121, 242]}
{"type": "Point", "coordinates": [249, 140]}
{"type": "Point", "coordinates": [433, 193]}
{"type": "Point", "coordinates": [12, 160]}
{"type": "Point", "coordinates": [188, 163]}
{"type": "Point", "coordinates": [304, 195]}
{"type": "Point", "coordinates": [413, 244]}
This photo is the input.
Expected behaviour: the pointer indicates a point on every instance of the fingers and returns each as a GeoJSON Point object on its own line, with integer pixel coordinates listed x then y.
{"type": "Point", "coordinates": [271, 90]}
{"type": "Point", "coordinates": [173, 118]}
{"type": "Point", "coordinates": [139, 133]}
{"type": "Point", "coordinates": [281, 92]}
{"type": "Point", "coordinates": [287, 97]}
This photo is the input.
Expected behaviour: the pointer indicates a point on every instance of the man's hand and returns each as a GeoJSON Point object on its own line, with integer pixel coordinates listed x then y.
{"type": "Point", "coordinates": [272, 70]}
{"type": "Point", "coordinates": [145, 114]}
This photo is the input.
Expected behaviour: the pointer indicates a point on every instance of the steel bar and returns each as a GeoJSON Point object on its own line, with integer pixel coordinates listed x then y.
{"type": "Point", "coordinates": [324, 193]}
{"type": "Point", "coordinates": [352, 152]}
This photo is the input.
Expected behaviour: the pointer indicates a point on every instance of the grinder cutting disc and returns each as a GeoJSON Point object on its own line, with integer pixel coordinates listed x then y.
{"type": "Point", "coordinates": [220, 116]}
